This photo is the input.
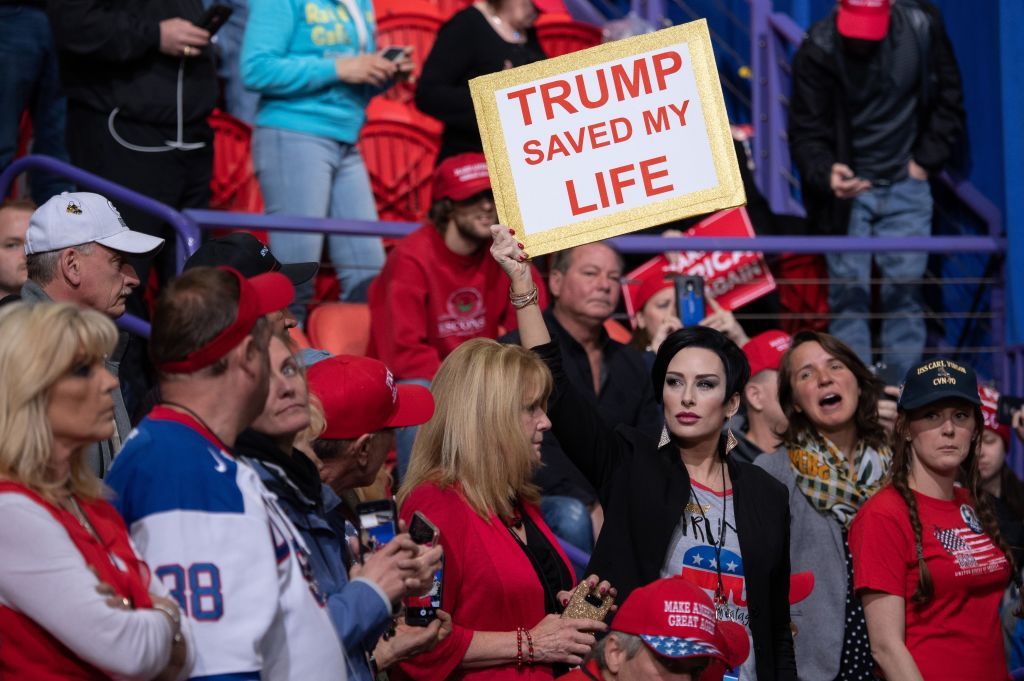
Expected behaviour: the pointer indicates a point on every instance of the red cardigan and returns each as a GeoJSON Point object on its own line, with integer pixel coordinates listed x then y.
{"type": "Point", "coordinates": [489, 585]}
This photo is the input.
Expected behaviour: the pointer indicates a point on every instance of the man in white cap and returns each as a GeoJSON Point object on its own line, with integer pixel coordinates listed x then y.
{"type": "Point", "coordinates": [77, 249]}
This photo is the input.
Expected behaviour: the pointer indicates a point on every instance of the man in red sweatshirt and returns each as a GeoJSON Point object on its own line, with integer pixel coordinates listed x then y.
{"type": "Point", "coordinates": [439, 288]}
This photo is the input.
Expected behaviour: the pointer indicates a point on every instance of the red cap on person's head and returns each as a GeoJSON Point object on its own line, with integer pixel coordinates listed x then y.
{"type": "Point", "coordinates": [989, 401]}
{"type": "Point", "coordinates": [863, 19]}
{"type": "Point", "coordinates": [359, 396]}
{"type": "Point", "coordinates": [765, 350]}
{"type": "Point", "coordinates": [654, 281]}
{"type": "Point", "coordinates": [676, 619]}
{"type": "Point", "coordinates": [460, 177]}
{"type": "Point", "coordinates": [257, 296]}
{"type": "Point", "coordinates": [550, 6]}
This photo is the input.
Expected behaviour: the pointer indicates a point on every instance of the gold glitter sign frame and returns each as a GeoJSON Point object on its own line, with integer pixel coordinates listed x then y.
{"type": "Point", "coordinates": [569, 140]}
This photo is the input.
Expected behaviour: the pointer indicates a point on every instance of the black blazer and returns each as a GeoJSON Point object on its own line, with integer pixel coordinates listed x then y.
{"type": "Point", "coordinates": [644, 489]}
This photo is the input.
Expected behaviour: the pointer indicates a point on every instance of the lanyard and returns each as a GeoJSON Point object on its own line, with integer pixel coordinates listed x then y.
{"type": "Point", "coordinates": [720, 586]}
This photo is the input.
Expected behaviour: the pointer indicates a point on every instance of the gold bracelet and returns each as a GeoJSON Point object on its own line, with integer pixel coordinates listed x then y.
{"type": "Point", "coordinates": [521, 300]}
{"type": "Point", "coordinates": [174, 617]}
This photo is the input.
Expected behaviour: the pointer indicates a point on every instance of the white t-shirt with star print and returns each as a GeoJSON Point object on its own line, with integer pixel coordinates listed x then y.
{"type": "Point", "coordinates": [694, 553]}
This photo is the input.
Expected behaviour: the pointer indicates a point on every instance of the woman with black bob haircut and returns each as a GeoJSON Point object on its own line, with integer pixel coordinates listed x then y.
{"type": "Point", "coordinates": [681, 505]}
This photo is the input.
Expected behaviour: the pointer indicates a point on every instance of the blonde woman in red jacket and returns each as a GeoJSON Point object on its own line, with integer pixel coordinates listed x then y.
{"type": "Point", "coordinates": [505, 576]}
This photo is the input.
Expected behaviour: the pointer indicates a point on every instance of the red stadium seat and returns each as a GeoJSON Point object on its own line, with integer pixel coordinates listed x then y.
{"type": "Point", "coordinates": [407, 23]}
{"type": "Point", "coordinates": [561, 34]}
{"type": "Point", "coordinates": [447, 8]}
{"type": "Point", "coordinates": [340, 328]}
{"type": "Point", "coordinates": [399, 145]}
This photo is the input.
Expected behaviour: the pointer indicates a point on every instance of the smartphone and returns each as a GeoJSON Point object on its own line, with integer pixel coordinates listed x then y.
{"type": "Point", "coordinates": [215, 17]}
{"type": "Point", "coordinates": [394, 53]}
{"type": "Point", "coordinates": [422, 531]}
{"type": "Point", "coordinates": [585, 604]}
{"type": "Point", "coordinates": [1005, 407]}
{"type": "Point", "coordinates": [689, 299]}
{"type": "Point", "coordinates": [377, 524]}
{"type": "Point", "coordinates": [422, 610]}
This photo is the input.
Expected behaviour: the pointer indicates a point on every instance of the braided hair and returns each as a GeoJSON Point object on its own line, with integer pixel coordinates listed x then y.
{"type": "Point", "coordinates": [970, 477]}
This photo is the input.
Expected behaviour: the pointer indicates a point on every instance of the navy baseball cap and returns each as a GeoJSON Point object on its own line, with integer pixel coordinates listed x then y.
{"type": "Point", "coordinates": [935, 380]}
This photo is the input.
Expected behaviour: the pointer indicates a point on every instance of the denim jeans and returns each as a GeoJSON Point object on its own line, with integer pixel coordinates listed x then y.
{"type": "Point", "coordinates": [404, 437]}
{"type": "Point", "coordinates": [30, 80]}
{"type": "Point", "coordinates": [238, 101]}
{"type": "Point", "coordinates": [569, 519]}
{"type": "Point", "coordinates": [901, 209]}
{"type": "Point", "coordinates": [313, 176]}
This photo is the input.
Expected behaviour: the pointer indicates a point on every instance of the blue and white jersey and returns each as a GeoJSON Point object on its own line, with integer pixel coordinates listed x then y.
{"type": "Point", "coordinates": [213, 534]}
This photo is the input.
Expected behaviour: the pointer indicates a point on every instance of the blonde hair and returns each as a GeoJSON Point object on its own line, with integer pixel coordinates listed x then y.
{"type": "Point", "coordinates": [38, 345]}
{"type": "Point", "coordinates": [476, 436]}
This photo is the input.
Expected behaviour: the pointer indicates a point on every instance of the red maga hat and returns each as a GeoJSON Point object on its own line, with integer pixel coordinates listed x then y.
{"type": "Point", "coordinates": [461, 177]}
{"type": "Point", "coordinates": [676, 619]}
{"type": "Point", "coordinates": [765, 350]}
{"type": "Point", "coordinates": [360, 396]}
{"type": "Point", "coordinates": [257, 297]}
{"type": "Point", "coordinates": [863, 19]}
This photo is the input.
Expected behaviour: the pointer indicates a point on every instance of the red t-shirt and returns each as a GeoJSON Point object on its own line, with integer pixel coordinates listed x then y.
{"type": "Point", "coordinates": [956, 635]}
{"type": "Point", "coordinates": [427, 301]}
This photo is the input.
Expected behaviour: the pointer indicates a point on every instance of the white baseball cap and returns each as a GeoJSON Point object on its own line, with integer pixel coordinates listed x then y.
{"type": "Point", "coordinates": [74, 218]}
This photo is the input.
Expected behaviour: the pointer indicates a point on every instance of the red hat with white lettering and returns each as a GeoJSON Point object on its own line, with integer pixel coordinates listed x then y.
{"type": "Point", "coordinates": [460, 177]}
{"type": "Point", "coordinates": [359, 396]}
{"type": "Point", "coordinates": [765, 350]}
{"type": "Point", "coordinates": [989, 401]}
{"type": "Point", "coordinates": [676, 619]}
{"type": "Point", "coordinates": [863, 19]}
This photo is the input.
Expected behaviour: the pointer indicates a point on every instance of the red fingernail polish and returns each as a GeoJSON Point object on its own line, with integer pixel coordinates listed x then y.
{"type": "Point", "coordinates": [512, 232]}
{"type": "Point", "coordinates": [521, 246]}
{"type": "Point", "coordinates": [565, 601]}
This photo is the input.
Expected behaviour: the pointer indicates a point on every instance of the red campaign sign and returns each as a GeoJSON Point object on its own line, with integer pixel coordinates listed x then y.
{"type": "Point", "coordinates": [733, 279]}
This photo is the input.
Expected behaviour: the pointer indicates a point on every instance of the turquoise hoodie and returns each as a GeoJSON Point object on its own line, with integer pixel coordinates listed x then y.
{"type": "Point", "coordinates": [288, 57]}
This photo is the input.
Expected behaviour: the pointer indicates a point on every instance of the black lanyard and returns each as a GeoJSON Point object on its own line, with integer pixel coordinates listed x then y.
{"type": "Point", "coordinates": [720, 588]}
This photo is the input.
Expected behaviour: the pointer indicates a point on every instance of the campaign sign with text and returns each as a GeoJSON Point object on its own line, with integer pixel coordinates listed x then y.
{"type": "Point", "coordinates": [608, 140]}
{"type": "Point", "coordinates": [733, 279]}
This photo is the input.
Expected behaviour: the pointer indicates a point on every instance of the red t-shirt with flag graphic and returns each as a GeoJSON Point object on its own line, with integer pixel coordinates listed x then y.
{"type": "Point", "coordinates": [428, 300]}
{"type": "Point", "coordinates": [956, 635]}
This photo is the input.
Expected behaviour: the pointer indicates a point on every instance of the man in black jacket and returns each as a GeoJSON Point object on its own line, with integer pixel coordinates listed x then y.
{"type": "Point", "coordinates": [875, 110]}
{"type": "Point", "coordinates": [140, 81]}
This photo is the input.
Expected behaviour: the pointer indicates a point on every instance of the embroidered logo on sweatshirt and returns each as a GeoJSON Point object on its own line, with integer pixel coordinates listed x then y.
{"type": "Point", "coordinates": [466, 314]}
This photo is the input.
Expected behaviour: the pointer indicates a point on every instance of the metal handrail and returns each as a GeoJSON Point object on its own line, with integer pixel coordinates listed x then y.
{"type": "Point", "coordinates": [187, 234]}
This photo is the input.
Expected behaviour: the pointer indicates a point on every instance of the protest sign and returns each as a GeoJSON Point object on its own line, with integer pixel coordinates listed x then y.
{"type": "Point", "coordinates": [732, 278]}
{"type": "Point", "coordinates": [608, 140]}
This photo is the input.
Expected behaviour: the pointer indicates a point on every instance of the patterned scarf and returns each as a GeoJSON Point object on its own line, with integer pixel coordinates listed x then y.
{"type": "Point", "coordinates": [822, 475]}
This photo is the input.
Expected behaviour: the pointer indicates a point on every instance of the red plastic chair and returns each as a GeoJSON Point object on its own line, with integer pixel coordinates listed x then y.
{"type": "Point", "coordinates": [407, 23]}
{"type": "Point", "coordinates": [446, 8]}
{"type": "Point", "coordinates": [233, 185]}
{"type": "Point", "coordinates": [340, 328]}
{"type": "Point", "coordinates": [561, 34]}
{"type": "Point", "coordinates": [399, 145]}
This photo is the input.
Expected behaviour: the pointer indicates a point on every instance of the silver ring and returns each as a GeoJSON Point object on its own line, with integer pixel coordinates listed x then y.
{"type": "Point", "coordinates": [126, 603]}
{"type": "Point", "coordinates": [187, 50]}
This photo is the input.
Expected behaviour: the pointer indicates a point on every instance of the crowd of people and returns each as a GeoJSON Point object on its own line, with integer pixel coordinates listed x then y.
{"type": "Point", "coordinates": [759, 506]}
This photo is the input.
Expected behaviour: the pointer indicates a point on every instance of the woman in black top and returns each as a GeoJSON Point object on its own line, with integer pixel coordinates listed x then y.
{"type": "Point", "coordinates": [665, 502]}
{"type": "Point", "coordinates": [486, 37]}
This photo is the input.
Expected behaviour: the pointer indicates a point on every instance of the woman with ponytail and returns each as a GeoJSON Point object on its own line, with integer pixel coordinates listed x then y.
{"type": "Point", "coordinates": [929, 564]}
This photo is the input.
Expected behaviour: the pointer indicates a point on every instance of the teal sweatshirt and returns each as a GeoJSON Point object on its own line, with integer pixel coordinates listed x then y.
{"type": "Point", "coordinates": [288, 57]}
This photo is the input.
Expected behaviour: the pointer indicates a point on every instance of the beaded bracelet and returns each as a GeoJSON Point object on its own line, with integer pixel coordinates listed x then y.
{"type": "Point", "coordinates": [519, 647]}
{"type": "Point", "coordinates": [529, 643]}
{"type": "Point", "coordinates": [521, 300]}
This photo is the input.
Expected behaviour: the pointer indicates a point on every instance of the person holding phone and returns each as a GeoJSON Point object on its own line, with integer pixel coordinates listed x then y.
{"type": "Point", "coordinates": [679, 505]}
{"type": "Point", "coordinates": [1003, 489]}
{"type": "Point", "coordinates": [316, 65]}
{"type": "Point", "coordinates": [505, 576]}
{"type": "Point", "coordinates": [834, 457]}
{"type": "Point", "coordinates": [929, 563]}
{"type": "Point", "coordinates": [360, 607]}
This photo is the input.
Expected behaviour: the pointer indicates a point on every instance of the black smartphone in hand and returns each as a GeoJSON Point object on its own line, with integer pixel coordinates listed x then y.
{"type": "Point", "coordinates": [1005, 407]}
{"type": "Point", "coordinates": [420, 611]}
{"type": "Point", "coordinates": [377, 524]}
{"type": "Point", "coordinates": [215, 18]}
